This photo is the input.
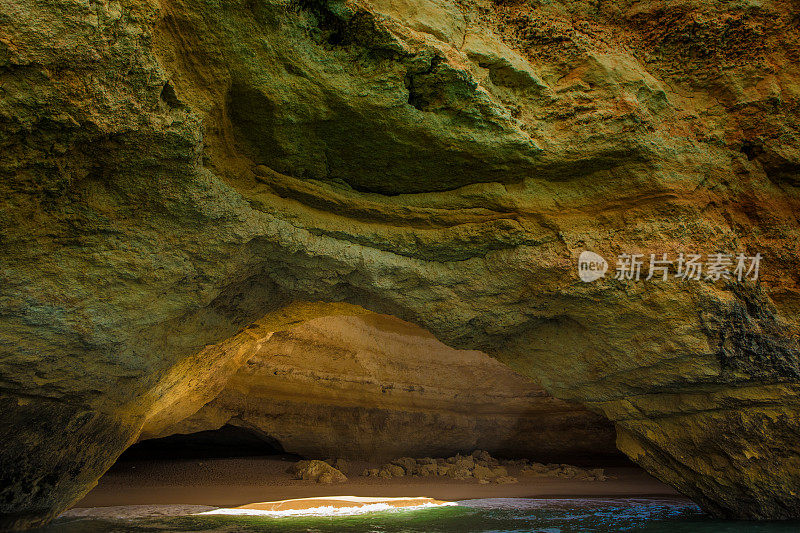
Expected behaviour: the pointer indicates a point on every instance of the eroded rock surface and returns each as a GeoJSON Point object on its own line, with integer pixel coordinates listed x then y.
{"type": "Point", "coordinates": [374, 387]}
{"type": "Point", "coordinates": [179, 176]}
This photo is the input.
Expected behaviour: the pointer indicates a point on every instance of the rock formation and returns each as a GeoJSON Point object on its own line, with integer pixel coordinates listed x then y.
{"type": "Point", "coordinates": [181, 180]}
{"type": "Point", "coordinates": [317, 471]}
{"type": "Point", "coordinates": [374, 388]}
{"type": "Point", "coordinates": [481, 466]}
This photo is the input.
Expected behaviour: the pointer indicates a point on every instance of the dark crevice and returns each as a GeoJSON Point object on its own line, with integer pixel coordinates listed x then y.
{"type": "Point", "coordinates": [227, 441]}
{"type": "Point", "coordinates": [419, 92]}
{"type": "Point", "coordinates": [169, 97]}
{"type": "Point", "coordinates": [751, 150]}
{"type": "Point", "coordinates": [335, 30]}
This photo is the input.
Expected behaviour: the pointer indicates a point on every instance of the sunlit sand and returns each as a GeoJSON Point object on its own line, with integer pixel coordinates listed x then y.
{"type": "Point", "coordinates": [329, 505]}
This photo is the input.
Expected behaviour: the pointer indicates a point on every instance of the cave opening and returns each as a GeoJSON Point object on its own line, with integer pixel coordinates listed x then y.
{"type": "Point", "coordinates": [365, 393]}
{"type": "Point", "coordinates": [372, 387]}
{"type": "Point", "coordinates": [228, 441]}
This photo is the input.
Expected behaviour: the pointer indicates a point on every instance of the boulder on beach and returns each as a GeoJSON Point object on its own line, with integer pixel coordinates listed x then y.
{"type": "Point", "coordinates": [317, 471]}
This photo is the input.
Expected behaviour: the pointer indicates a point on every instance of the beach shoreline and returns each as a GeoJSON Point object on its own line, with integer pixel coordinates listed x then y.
{"type": "Point", "coordinates": [239, 482]}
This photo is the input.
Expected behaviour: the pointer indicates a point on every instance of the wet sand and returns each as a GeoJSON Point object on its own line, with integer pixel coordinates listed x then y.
{"type": "Point", "coordinates": [339, 502]}
{"type": "Point", "coordinates": [243, 481]}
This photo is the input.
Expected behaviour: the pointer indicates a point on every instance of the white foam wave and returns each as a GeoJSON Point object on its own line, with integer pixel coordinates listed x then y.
{"type": "Point", "coordinates": [325, 510]}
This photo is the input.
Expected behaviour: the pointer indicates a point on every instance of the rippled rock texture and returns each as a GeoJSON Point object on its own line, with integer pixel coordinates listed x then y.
{"type": "Point", "coordinates": [183, 179]}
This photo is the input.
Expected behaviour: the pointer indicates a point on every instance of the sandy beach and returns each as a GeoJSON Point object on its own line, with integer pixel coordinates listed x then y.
{"type": "Point", "coordinates": [243, 481]}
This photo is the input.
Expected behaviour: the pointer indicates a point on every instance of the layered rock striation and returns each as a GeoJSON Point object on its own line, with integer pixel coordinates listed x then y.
{"type": "Point", "coordinates": [374, 388]}
{"type": "Point", "coordinates": [182, 180]}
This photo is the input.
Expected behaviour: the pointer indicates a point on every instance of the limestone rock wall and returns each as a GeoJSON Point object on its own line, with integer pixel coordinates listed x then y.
{"type": "Point", "coordinates": [180, 176]}
{"type": "Point", "coordinates": [374, 388]}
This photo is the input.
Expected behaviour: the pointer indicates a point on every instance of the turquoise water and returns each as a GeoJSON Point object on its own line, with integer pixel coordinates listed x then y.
{"type": "Point", "coordinates": [497, 515]}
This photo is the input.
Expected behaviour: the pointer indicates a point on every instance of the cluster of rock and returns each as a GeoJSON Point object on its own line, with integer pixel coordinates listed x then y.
{"type": "Point", "coordinates": [317, 471]}
{"type": "Point", "coordinates": [562, 471]}
{"type": "Point", "coordinates": [479, 465]}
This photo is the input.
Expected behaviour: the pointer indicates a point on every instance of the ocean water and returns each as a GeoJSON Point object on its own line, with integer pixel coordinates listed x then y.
{"type": "Point", "coordinates": [496, 515]}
